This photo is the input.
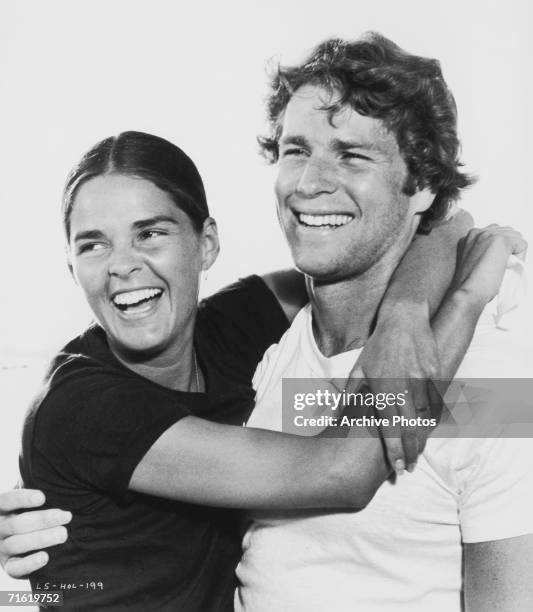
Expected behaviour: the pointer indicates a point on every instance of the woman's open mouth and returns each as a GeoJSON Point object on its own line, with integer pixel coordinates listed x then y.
{"type": "Point", "coordinates": [137, 301]}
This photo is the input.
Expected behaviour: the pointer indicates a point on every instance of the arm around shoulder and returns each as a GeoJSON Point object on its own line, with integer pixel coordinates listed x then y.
{"type": "Point", "coordinates": [201, 462]}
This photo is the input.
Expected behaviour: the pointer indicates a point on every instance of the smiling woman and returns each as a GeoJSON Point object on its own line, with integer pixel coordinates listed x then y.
{"type": "Point", "coordinates": [137, 257]}
{"type": "Point", "coordinates": [139, 236]}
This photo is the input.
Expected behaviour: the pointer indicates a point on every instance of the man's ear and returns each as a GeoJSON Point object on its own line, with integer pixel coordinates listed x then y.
{"type": "Point", "coordinates": [210, 243]}
{"type": "Point", "coordinates": [421, 201]}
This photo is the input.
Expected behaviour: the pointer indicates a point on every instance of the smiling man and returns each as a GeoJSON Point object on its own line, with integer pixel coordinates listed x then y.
{"type": "Point", "coordinates": [365, 140]}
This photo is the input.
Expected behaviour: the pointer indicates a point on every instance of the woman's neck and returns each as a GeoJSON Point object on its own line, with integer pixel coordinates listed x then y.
{"type": "Point", "coordinates": [175, 368]}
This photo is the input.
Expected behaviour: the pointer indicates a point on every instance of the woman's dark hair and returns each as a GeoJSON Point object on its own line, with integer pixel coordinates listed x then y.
{"type": "Point", "coordinates": [406, 92]}
{"type": "Point", "coordinates": [144, 156]}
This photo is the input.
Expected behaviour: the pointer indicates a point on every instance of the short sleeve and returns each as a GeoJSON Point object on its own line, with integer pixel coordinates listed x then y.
{"type": "Point", "coordinates": [96, 424]}
{"type": "Point", "coordinates": [496, 501]}
{"type": "Point", "coordinates": [243, 320]}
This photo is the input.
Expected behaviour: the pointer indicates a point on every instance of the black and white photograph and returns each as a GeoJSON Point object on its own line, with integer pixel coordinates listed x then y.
{"type": "Point", "coordinates": [266, 341]}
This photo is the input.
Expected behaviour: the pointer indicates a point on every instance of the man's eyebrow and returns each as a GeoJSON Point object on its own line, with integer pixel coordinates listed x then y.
{"type": "Point", "coordinates": [88, 235]}
{"type": "Point", "coordinates": [299, 141]}
{"type": "Point", "coordinates": [142, 223]}
{"type": "Point", "coordinates": [342, 144]}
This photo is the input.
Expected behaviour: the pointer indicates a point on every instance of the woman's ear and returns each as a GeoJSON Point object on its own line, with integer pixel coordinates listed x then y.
{"type": "Point", "coordinates": [69, 263]}
{"type": "Point", "coordinates": [210, 243]}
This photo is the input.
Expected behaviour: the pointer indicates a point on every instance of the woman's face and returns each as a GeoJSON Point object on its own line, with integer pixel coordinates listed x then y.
{"type": "Point", "coordinates": [138, 258]}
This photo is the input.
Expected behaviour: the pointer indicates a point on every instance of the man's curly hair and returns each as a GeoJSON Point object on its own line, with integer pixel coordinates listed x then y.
{"type": "Point", "coordinates": [406, 92]}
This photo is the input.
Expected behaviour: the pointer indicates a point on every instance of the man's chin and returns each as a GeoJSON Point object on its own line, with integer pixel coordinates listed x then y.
{"type": "Point", "coordinates": [318, 270]}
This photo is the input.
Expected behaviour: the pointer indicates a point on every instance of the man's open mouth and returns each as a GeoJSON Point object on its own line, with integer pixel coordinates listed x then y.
{"type": "Point", "coordinates": [327, 221]}
{"type": "Point", "coordinates": [138, 300]}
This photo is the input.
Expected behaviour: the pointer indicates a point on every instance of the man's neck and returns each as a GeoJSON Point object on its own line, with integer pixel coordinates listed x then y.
{"type": "Point", "coordinates": [344, 311]}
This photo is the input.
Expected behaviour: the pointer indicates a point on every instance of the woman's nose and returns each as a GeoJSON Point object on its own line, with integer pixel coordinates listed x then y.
{"type": "Point", "coordinates": [124, 261]}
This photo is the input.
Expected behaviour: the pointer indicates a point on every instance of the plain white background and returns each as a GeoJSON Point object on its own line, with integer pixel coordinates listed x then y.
{"type": "Point", "coordinates": [75, 72]}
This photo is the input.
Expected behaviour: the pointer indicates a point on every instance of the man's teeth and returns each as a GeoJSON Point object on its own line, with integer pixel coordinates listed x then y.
{"type": "Point", "coordinates": [131, 298]}
{"type": "Point", "coordinates": [324, 220]}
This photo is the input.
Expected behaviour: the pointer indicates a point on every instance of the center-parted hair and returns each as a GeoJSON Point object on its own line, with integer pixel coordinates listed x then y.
{"type": "Point", "coordinates": [406, 92]}
{"type": "Point", "coordinates": [143, 156]}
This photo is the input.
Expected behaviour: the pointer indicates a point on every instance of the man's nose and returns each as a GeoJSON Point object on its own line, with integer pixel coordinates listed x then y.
{"type": "Point", "coordinates": [317, 178]}
{"type": "Point", "coordinates": [124, 261]}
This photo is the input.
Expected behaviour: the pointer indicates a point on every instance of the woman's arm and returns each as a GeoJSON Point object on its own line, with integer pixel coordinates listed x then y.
{"type": "Point", "coordinates": [482, 257]}
{"type": "Point", "coordinates": [219, 465]}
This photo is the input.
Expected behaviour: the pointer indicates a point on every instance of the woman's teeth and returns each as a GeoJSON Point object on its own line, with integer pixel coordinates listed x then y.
{"type": "Point", "coordinates": [130, 299]}
{"type": "Point", "coordinates": [324, 220]}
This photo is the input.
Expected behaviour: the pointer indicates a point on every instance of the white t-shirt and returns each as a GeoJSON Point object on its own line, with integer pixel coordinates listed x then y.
{"type": "Point", "coordinates": [402, 553]}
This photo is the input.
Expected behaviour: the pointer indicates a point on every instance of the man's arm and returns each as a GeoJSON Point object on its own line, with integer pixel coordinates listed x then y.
{"type": "Point", "coordinates": [29, 531]}
{"type": "Point", "coordinates": [498, 575]}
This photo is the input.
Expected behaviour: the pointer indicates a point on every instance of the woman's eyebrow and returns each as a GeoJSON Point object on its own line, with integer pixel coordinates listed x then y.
{"type": "Point", "coordinates": [142, 223]}
{"type": "Point", "coordinates": [88, 235]}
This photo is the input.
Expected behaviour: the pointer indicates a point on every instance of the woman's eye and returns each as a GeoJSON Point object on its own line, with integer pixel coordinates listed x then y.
{"type": "Point", "coordinates": [148, 234]}
{"type": "Point", "coordinates": [90, 247]}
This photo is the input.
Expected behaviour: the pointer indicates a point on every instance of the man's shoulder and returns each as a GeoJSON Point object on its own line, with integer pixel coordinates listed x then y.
{"type": "Point", "coordinates": [289, 347]}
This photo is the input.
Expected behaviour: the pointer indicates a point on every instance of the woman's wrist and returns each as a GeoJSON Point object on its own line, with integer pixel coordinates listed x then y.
{"type": "Point", "coordinates": [403, 313]}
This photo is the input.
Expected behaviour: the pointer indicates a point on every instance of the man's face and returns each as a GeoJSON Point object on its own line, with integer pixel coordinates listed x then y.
{"type": "Point", "coordinates": [339, 189]}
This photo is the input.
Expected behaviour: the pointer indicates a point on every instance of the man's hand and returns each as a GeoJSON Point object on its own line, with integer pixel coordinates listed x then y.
{"type": "Point", "coordinates": [21, 533]}
{"type": "Point", "coordinates": [401, 357]}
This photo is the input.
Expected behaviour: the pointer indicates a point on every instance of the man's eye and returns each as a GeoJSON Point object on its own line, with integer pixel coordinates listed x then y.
{"type": "Point", "coordinates": [292, 152]}
{"type": "Point", "coordinates": [350, 155]}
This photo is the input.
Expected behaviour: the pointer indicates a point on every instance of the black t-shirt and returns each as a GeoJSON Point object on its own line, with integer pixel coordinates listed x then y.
{"type": "Point", "coordinates": [88, 430]}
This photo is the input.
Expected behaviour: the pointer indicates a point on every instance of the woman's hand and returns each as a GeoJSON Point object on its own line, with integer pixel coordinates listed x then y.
{"type": "Point", "coordinates": [25, 532]}
{"type": "Point", "coordinates": [401, 357]}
